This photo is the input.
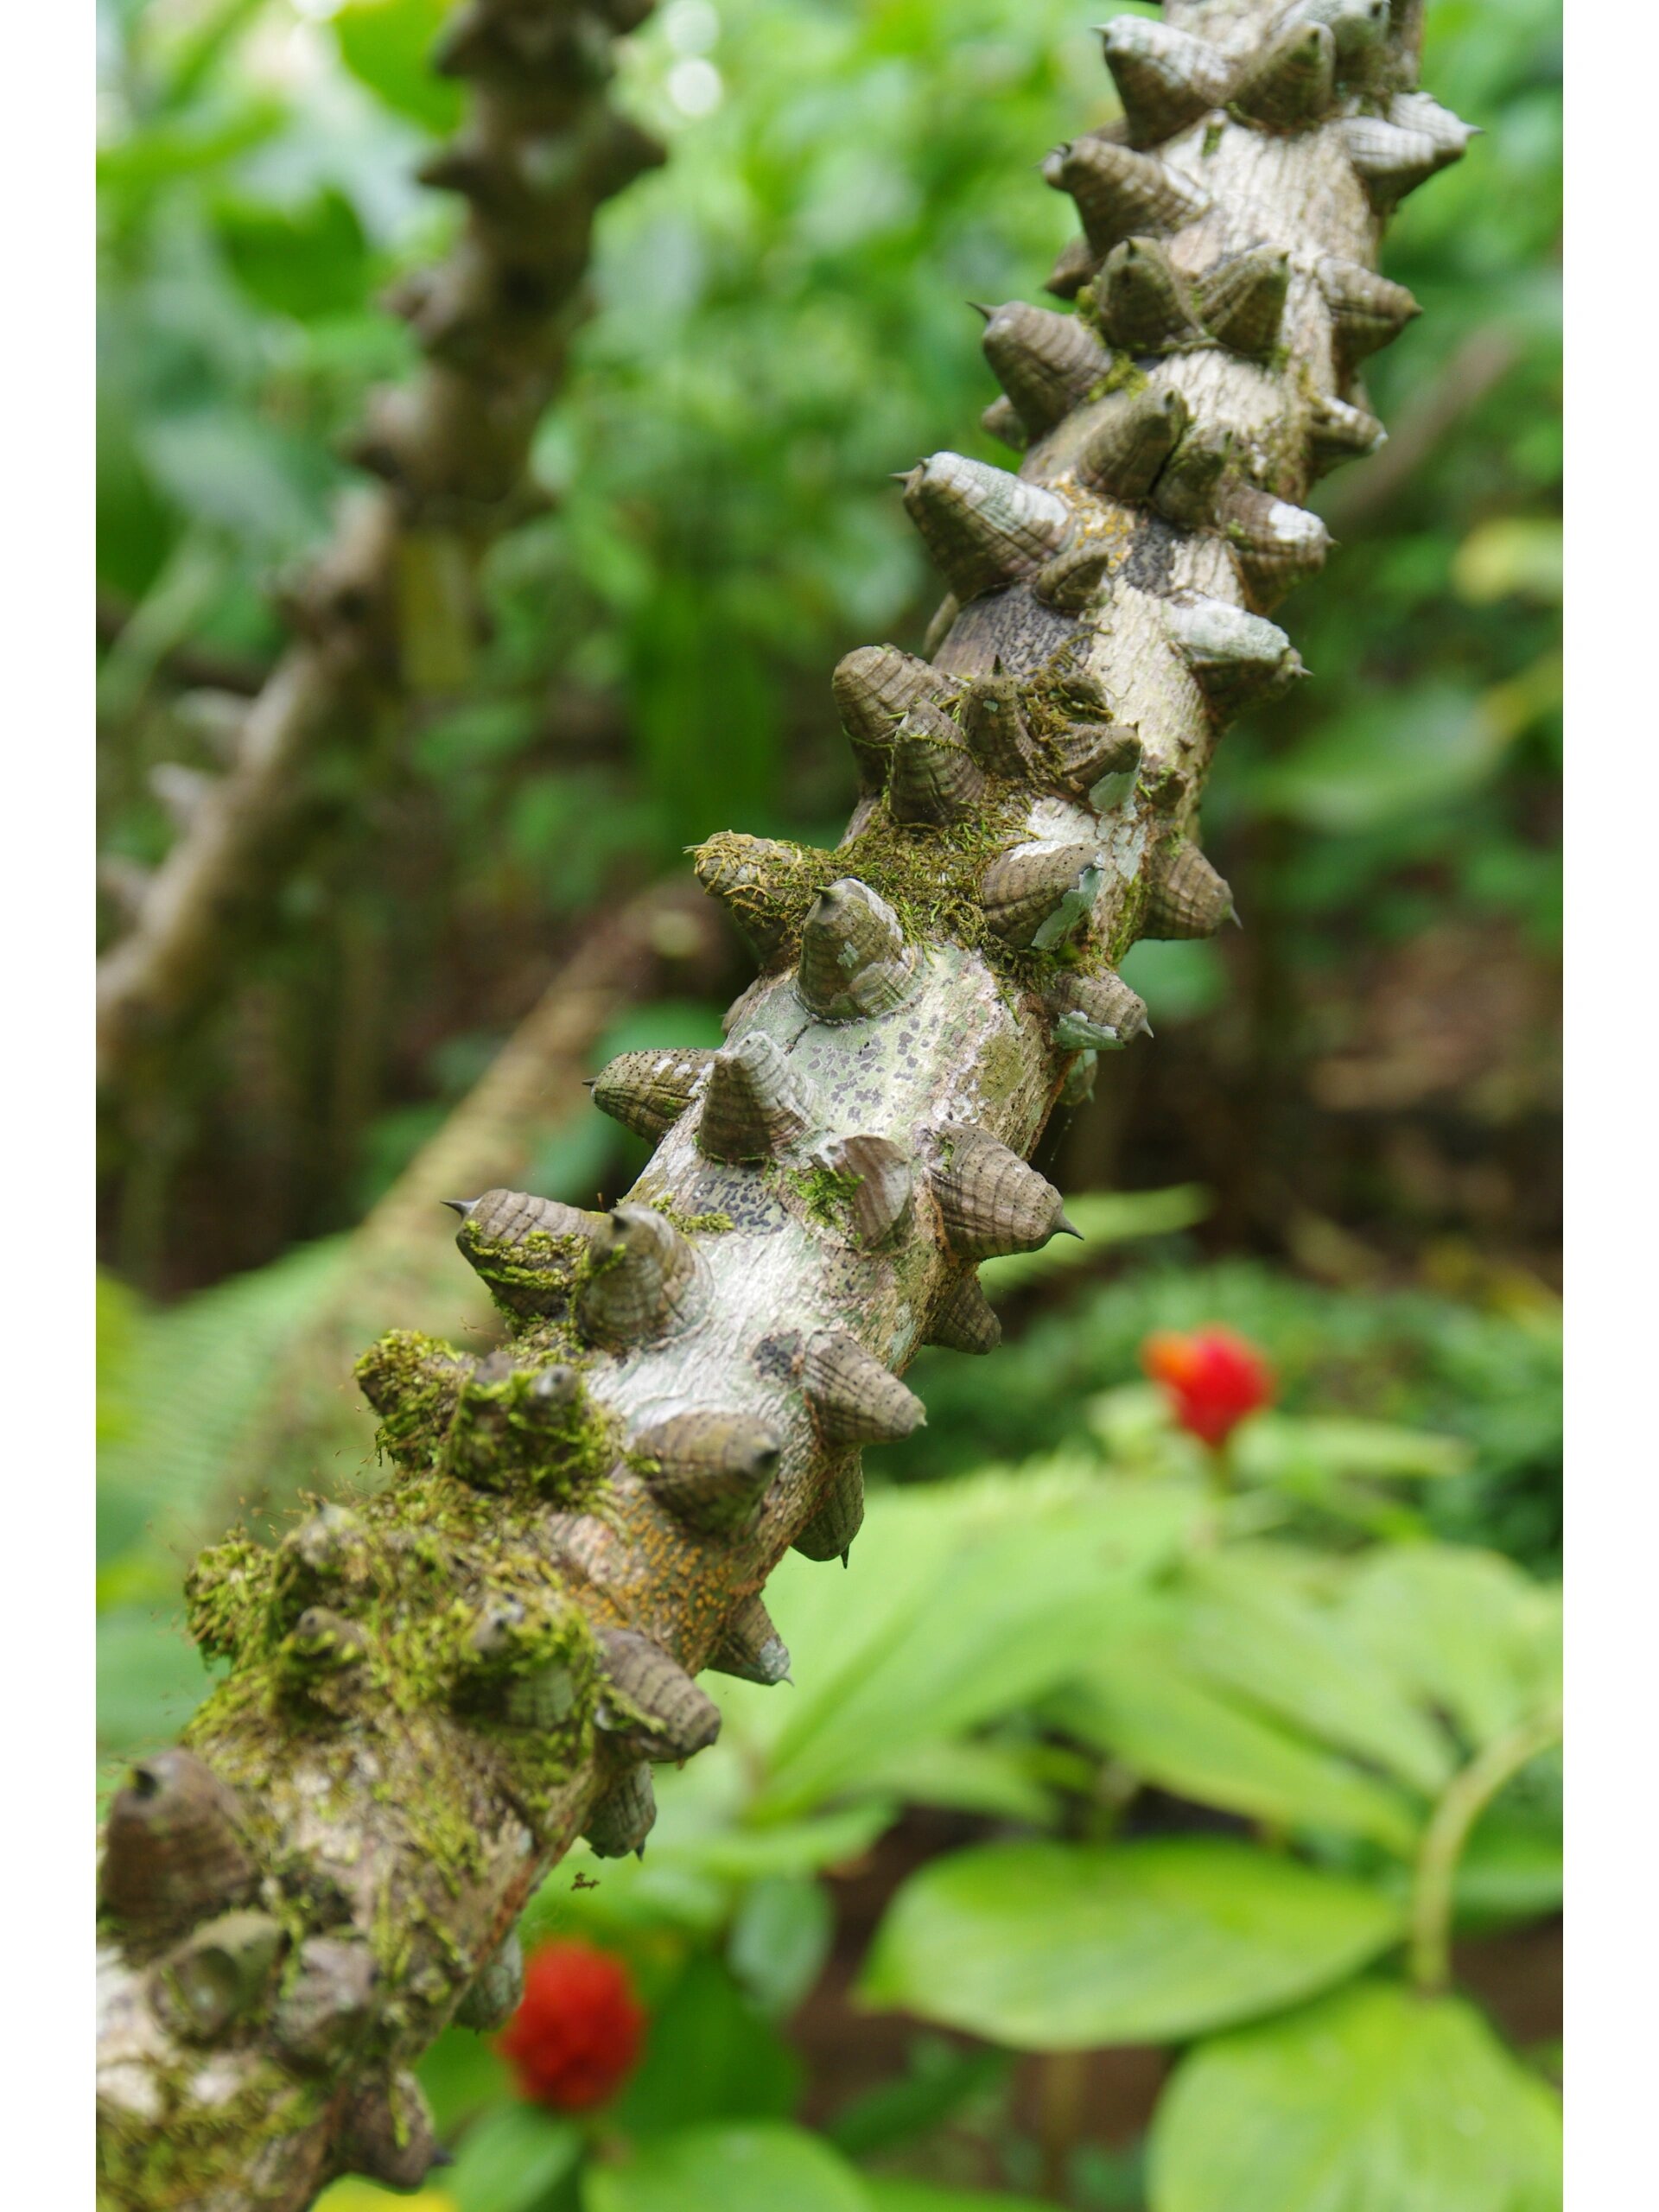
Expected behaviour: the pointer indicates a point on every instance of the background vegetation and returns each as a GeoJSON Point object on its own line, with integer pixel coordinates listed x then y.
{"type": "Point", "coordinates": [1019, 1845]}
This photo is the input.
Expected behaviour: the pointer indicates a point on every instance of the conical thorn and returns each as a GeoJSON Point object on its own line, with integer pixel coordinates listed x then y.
{"type": "Point", "coordinates": [463, 1206]}
{"type": "Point", "coordinates": [1064, 1228]}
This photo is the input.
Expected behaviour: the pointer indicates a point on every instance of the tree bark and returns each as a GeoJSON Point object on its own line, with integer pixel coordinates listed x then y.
{"type": "Point", "coordinates": [388, 611]}
{"type": "Point", "coordinates": [577, 1529]}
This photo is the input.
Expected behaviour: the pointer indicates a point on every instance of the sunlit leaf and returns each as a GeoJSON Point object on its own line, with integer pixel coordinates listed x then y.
{"type": "Point", "coordinates": [1370, 2100]}
{"type": "Point", "coordinates": [1017, 1596]}
{"type": "Point", "coordinates": [1060, 1947]}
{"type": "Point", "coordinates": [1246, 1628]}
{"type": "Point", "coordinates": [387, 45]}
{"type": "Point", "coordinates": [1139, 1697]}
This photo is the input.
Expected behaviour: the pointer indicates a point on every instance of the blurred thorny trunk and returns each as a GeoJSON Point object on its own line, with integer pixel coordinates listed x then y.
{"type": "Point", "coordinates": [429, 1697]}
{"type": "Point", "coordinates": [388, 613]}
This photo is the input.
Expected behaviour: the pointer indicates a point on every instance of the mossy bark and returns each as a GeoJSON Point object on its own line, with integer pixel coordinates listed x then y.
{"type": "Point", "coordinates": [403, 1800]}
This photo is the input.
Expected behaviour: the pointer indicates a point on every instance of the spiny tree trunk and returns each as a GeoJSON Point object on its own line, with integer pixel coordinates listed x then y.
{"type": "Point", "coordinates": [388, 609]}
{"type": "Point", "coordinates": [430, 1697]}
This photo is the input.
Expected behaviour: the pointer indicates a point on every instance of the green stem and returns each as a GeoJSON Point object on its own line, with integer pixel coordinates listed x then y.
{"type": "Point", "coordinates": [1463, 1801]}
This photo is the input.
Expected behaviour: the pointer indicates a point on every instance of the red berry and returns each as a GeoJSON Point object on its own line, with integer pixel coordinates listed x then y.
{"type": "Point", "coordinates": [1212, 1379]}
{"type": "Point", "coordinates": [576, 2037]}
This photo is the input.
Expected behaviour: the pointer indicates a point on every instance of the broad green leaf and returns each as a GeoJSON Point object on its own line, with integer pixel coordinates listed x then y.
{"type": "Point", "coordinates": [1372, 2099]}
{"type": "Point", "coordinates": [387, 45]}
{"type": "Point", "coordinates": [1060, 1947]}
{"type": "Point", "coordinates": [1248, 1630]}
{"type": "Point", "coordinates": [1465, 1630]}
{"type": "Point", "coordinates": [510, 2158]}
{"type": "Point", "coordinates": [1139, 1698]}
{"type": "Point", "coordinates": [762, 2169]}
{"type": "Point", "coordinates": [1025, 1597]}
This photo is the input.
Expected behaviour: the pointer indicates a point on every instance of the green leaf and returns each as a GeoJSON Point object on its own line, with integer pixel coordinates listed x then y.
{"type": "Point", "coordinates": [1274, 1441]}
{"type": "Point", "coordinates": [387, 45]}
{"type": "Point", "coordinates": [779, 1941]}
{"type": "Point", "coordinates": [1140, 1700]}
{"type": "Point", "coordinates": [1465, 1630]}
{"type": "Point", "coordinates": [1371, 2100]}
{"type": "Point", "coordinates": [462, 2075]}
{"type": "Point", "coordinates": [1061, 1946]}
{"type": "Point", "coordinates": [969, 1777]}
{"type": "Point", "coordinates": [710, 2054]}
{"type": "Point", "coordinates": [737, 2169]}
{"type": "Point", "coordinates": [1246, 1628]}
{"type": "Point", "coordinates": [510, 2158]}
{"type": "Point", "coordinates": [307, 260]}
{"type": "Point", "coordinates": [1017, 1593]}
{"type": "Point", "coordinates": [751, 1854]}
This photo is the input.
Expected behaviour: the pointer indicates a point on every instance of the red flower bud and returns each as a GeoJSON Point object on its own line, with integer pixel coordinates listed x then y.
{"type": "Point", "coordinates": [1212, 1379]}
{"type": "Point", "coordinates": [576, 2037]}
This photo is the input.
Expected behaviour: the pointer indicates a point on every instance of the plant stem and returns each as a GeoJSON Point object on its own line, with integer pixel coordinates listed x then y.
{"type": "Point", "coordinates": [1061, 2083]}
{"type": "Point", "coordinates": [1463, 1801]}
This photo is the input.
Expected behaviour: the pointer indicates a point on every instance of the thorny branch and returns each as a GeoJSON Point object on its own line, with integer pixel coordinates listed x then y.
{"type": "Point", "coordinates": [429, 1696]}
